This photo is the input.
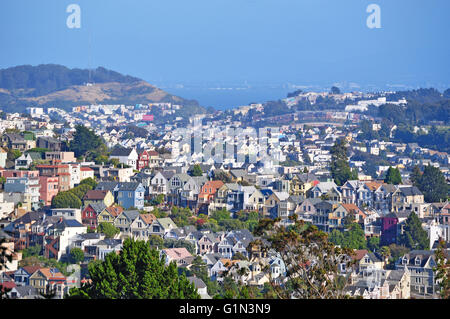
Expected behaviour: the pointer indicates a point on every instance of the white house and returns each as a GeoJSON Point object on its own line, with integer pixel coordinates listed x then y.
{"type": "Point", "coordinates": [125, 156]}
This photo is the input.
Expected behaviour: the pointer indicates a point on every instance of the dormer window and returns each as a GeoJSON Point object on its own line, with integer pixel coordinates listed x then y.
{"type": "Point", "coordinates": [404, 261]}
{"type": "Point", "coordinates": [417, 261]}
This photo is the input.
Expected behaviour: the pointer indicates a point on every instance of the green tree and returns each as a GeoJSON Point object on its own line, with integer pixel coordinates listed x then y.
{"type": "Point", "coordinates": [335, 90]}
{"type": "Point", "coordinates": [12, 155]}
{"type": "Point", "coordinates": [85, 142]}
{"type": "Point", "coordinates": [415, 176]}
{"type": "Point", "coordinates": [414, 236]}
{"type": "Point", "coordinates": [197, 170]}
{"type": "Point", "coordinates": [32, 251]}
{"type": "Point", "coordinates": [156, 242]}
{"type": "Point", "coordinates": [239, 256]}
{"type": "Point", "coordinates": [442, 270]}
{"type": "Point", "coordinates": [393, 176]}
{"type": "Point", "coordinates": [2, 180]}
{"type": "Point", "coordinates": [66, 200]}
{"type": "Point", "coordinates": [385, 252]}
{"type": "Point", "coordinates": [352, 238]}
{"type": "Point", "coordinates": [108, 229]}
{"type": "Point", "coordinates": [89, 181]}
{"type": "Point", "coordinates": [76, 255]}
{"type": "Point", "coordinates": [137, 272]}
{"type": "Point", "coordinates": [433, 185]}
{"type": "Point", "coordinates": [159, 199]}
{"type": "Point", "coordinates": [298, 246]}
{"type": "Point", "coordinates": [220, 215]}
{"type": "Point", "coordinates": [222, 176]}
{"type": "Point", "coordinates": [340, 168]}
{"type": "Point", "coordinates": [80, 190]}
{"type": "Point", "coordinates": [373, 243]}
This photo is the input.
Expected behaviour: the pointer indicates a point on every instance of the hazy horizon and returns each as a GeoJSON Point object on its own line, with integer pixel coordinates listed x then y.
{"type": "Point", "coordinates": [194, 47]}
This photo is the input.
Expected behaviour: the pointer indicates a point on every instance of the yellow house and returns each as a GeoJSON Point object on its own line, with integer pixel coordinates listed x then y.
{"type": "Point", "coordinates": [98, 196]}
{"type": "Point", "coordinates": [300, 184]}
{"type": "Point", "coordinates": [109, 214]}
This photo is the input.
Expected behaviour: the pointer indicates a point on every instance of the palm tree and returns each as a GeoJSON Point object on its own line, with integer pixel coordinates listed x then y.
{"type": "Point", "coordinates": [386, 253]}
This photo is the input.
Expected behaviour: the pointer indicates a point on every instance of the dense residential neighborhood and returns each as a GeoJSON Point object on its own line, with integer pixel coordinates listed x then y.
{"type": "Point", "coordinates": [75, 186]}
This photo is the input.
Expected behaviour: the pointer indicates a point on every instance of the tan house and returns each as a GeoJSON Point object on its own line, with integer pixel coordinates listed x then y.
{"type": "Point", "coordinates": [96, 196]}
{"type": "Point", "coordinates": [301, 183]}
{"type": "Point", "coordinates": [140, 226]}
{"type": "Point", "coordinates": [405, 197]}
{"type": "Point", "coordinates": [45, 279]}
{"type": "Point", "coordinates": [61, 157]}
{"type": "Point", "coordinates": [109, 214]}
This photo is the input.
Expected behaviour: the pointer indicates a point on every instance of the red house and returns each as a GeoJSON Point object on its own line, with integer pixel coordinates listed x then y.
{"type": "Point", "coordinates": [143, 160]}
{"type": "Point", "coordinates": [90, 213]}
{"type": "Point", "coordinates": [388, 229]}
{"type": "Point", "coordinates": [209, 190]}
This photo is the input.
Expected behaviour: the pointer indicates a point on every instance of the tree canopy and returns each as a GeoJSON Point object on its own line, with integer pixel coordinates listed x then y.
{"type": "Point", "coordinates": [352, 238]}
{"type": "Point", "coordinates": [393, 176]}
{"type": "Point", "coordinates": [108, 229]}
{"type": "Point", "coordinates": [311, 260]}
{"type": "Point", "coordinates": [414, 236]}
{"type": "Point", "coordinates": [340, 168]}
{"type": "Point", "coordinates": [137, 272]}
{"type": "Point", "coordinates": [85, 142]}
{"type": "Point", "coordinates": [432, 184]}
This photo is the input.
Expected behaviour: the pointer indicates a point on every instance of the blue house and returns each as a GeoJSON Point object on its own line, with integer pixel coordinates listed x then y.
{"type": "Point", "coordinates": [22, 275]}
{"type": "Point", "coordinates": [130, 195]}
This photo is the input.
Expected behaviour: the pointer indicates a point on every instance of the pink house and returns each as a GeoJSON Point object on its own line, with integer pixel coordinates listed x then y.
{"type": "Point", "coordinates": [49, 188]}
{"type": "Point", "coordinates": [179, 255]}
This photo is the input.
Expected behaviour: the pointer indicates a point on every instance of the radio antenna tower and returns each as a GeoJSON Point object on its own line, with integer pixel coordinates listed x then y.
{"type": "Point", "coordinates": [90, 59]}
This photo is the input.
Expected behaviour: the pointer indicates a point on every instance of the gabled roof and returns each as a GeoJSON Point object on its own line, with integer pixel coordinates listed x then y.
{"type": "Point", "coordinates": [131, 214]}
{"type": "Point", "coordinates": [423, 255]}
{"type": "Point", "coordinates": [281, 195]}
{"type": "Point", "coordinates": [98, 207]}
{"type": "Point", "coordinates": [200, 180]}
{"type": "Point", "coordinates": [198, 283]}
{"type": "Point", "coordinates": [359, 254]}
{"type": "Point", "coordinates": [177, 253]}
{"type": "Point", "coordinates": [307, 177]}
{"type": "Point", "coordinates": [166, 222]}
{"type": "Point", "coordinates": [95, 194]}
{"type": "Point", "coordinates": [183, 177]}
{"type": "Point", "coordinates": [107, 186]}
{"type": "Point", "coordinates": [121, 151]}
{"type": "Point", "coordinates": [410, 190]}
{"type": "Point", "coordinates": [351, 207]}
{"type": "Point", "coordinates": [52, 273]}
{"type": "Point", "coordinates": [64, 223]}
{"type": "Point", "coordinates": [114, 210]}
{"type": "Point", "coordinates": [30, 269]}
{"type": "Point", "coordinates": [128, 186]}
{"type": "Point", "coordinates": [373, 186]}
{"type": "Point", "coordinates": [232, 186]}
{"type": "Point", "coordinates": [326, 186]}
{"type": "Point", "coordinates": [214, 184]}
{"type": "Point", "coordinates": [24, 291]}
{"type": "Point", "coordinates": [148, 218]}
{"type": "Point", "coordinates": [167, 174]}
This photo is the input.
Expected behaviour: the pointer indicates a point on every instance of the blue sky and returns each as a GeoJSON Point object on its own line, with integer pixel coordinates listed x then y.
{"type": "Point", "coordinates": [267, 41]}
